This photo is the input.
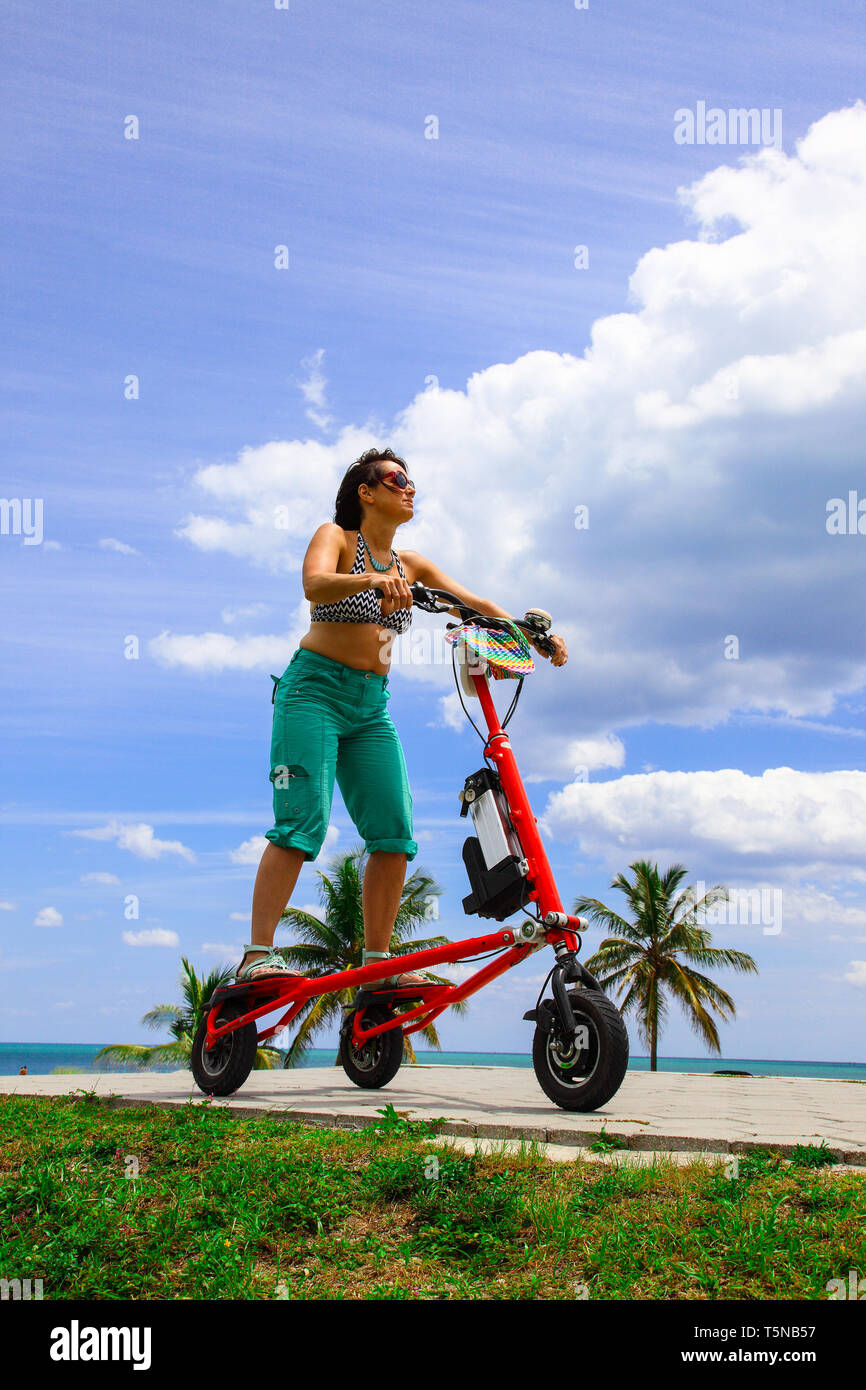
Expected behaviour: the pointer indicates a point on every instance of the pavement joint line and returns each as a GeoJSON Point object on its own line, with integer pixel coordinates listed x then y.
{"type": "Point", "coordinates": [563, 1154]}
{"type": "Point", "coordinates": [578, 1140]}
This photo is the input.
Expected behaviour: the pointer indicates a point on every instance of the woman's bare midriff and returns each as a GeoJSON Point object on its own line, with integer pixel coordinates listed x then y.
{"type": "Point", "coordinates": [364, 646]}
{"type": "Point", "coordinates": [355, 644]}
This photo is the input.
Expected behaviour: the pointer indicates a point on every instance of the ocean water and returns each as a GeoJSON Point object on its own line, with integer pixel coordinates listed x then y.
{"type": "Point", "coordinates": [40, 1059]}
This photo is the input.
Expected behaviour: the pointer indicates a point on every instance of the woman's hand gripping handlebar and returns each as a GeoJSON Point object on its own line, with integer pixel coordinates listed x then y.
{"type": "Point", "coordinates": [535, 624]}
{"type": "Point", "coordinates": [394, 592]}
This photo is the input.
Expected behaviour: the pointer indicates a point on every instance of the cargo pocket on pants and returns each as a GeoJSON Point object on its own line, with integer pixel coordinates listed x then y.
{"type": "Point", "coordinates": [294, 794]}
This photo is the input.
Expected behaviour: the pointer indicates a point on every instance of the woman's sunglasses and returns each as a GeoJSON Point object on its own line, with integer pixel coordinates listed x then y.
{"type": "Point", "coordinates": [400, 480]}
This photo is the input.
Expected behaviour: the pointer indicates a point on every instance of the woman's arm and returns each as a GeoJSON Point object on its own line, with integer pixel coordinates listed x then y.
{"type": "Point", "coordinates": [322, 583]}
{"type": "Point", "coordinates": [430, 574]}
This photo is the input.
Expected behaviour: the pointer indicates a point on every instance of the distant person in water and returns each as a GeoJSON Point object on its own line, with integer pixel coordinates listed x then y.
{"type": "Point", "coordinates": [23, 1071]}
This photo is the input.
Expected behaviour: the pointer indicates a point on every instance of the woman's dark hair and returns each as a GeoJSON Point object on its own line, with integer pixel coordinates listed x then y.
{"type": "Point", "coordinates": [347, 510]}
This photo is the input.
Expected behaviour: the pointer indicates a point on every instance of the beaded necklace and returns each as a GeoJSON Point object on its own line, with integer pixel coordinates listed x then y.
{"type": "Point", "coordinates": [374, 561]}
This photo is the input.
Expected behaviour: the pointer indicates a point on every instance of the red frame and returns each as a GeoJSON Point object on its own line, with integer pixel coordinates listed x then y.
{"type": "Point", "coordinates": [272, 993]}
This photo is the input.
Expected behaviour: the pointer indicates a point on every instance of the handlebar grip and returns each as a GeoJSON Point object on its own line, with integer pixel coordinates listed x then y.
{"type": "Point", "coordinates": [430, 600]}
{"type": "Point", "coordinates": [380, 593]}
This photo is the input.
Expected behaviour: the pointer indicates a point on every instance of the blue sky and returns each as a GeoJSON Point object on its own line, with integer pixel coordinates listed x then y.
{"type": "Point", "coordinates": [432, 301]}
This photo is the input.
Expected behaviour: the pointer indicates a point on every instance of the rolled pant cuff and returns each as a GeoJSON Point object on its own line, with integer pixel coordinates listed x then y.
{"type": "Point", "coordinates": [407, 847]}
{"type": "Point", "coordinates": [290, 839]}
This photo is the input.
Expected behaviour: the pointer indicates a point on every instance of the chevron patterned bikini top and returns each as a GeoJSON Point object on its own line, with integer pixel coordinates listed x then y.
{"type": "Point", "coordinates": [364, 607]}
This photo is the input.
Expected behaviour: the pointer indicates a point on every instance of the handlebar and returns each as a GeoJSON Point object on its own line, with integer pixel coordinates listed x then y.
{"type": "Point", "coordinates": [440, 601]}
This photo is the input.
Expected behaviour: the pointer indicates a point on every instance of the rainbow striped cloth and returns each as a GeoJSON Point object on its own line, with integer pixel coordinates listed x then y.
{"type": "Point", "coordinates": [506, 650]}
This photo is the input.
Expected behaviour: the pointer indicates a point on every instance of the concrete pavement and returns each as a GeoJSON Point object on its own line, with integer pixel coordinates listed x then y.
{"type": "Point", "coordinates": [660, 1112]}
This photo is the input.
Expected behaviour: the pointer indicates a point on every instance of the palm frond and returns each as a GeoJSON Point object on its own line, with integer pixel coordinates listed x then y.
{"type": "Point", "coordinates": [334, 940]}
{"type": "Point", "coordinates": [163, 1016]}
{"type": "Point", "coordinates": [649, 958]}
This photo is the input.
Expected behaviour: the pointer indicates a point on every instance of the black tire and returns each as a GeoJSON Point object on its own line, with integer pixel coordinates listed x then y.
{"type": "Point", "coordinates": [585, 1078]}
{"type": "Point", "coordinates": [226, 1067]}
{"type": "Point", "coordinates": [379, 1060]}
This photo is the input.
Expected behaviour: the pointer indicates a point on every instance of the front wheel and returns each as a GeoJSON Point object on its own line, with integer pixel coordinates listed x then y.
{"type": "Point", "coordinates": [226, 1067]}
{"type": "Point", "coordinates": [584, 1072]}
{"type": "Point", "coordinates": [378, 1060]}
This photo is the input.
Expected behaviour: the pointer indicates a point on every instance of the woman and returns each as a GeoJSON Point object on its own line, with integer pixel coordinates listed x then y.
{"type": "Point", "coordinates": [330, 710]}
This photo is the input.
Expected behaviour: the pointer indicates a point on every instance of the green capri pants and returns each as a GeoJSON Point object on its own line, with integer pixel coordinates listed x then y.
{"type": "Point", "coordinates": [333, 720]}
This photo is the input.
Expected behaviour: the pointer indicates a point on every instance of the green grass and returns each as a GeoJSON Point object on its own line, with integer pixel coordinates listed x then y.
{"type": "Point", "coordinates": [142, 1202]}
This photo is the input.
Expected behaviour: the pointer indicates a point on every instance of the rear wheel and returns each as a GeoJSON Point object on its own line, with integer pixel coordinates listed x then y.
{"type": "Point", "coordinates": [584, 1072]}
{"type": "Point", "coordinates": [376, 1062]}
{"type": "Point", "coordinates": [228, 1064]}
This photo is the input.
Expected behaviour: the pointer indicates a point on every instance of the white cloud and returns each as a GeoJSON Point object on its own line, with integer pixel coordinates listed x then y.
{"type": "Point", "coordinates": [583, 756]}
{"type": "Point", "coordinates": [100, 878]}
{"type": "Point", "coordinates": [153, 936]}
{"type": "Point", "coordinates": [783, 817]}
{"type": "Point", "coordinates": [290, 483]}
{"type": "Point", "coordinates": [332, 835]}
{"type": "Point", "coordinates": [109, 543]}
{"type": "Point", "coordinates": [251, 851]}
{"type": "Point", "coordinates": [856, 974]}
{"type": "Point", "coordinates": [240, 613]}
{"type": "Point", "coordinates": [815, 916]}
{"type": "Point", "coordinates": [452, 714]}
{"type": "Point", "coordinates": [817, 909]}
{"type": "Point", "coordinates": [48, 917]}
{"type": "Point", "coordinates": [704, 429]}
{"type": "Point", "coordinates": [220, 651]}
{"type": "Point", "coordinates": [139, 839]}
{"type": "Point", "coordinates": [313, 390]}
{"type": "Point", "coordinates": [8, 907]}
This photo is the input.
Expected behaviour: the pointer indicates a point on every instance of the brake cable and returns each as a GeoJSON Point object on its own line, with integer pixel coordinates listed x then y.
{"type": "Point", "coordinates": [544, 986]}
{"type": "Point", "coordinates": [515, 697]}
{"type": "Point", "coordinates": [487, 620]}
{"type": "Point", "coordinates": [521, 638]}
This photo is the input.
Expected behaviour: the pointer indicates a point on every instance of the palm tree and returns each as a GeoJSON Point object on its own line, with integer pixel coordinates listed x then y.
{"type": "Point", "coordinates": [335, 942]}
{"type": "Point", "coordinates": [647, 953]}
{"type": "Point", "coordinates": [182, 1020]}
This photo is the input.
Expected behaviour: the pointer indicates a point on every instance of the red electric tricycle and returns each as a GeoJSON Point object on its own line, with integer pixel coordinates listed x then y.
{"type": "Point", "coordinates": [580, 1045]}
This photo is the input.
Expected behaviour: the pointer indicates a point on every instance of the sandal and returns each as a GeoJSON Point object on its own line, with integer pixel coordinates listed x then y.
{"type": "Point", "coordinates": [392, 981]}
{"type": "Point", "coordinates": [408, 981]}
{"type": "Point", "coordinates": [271, 963]}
